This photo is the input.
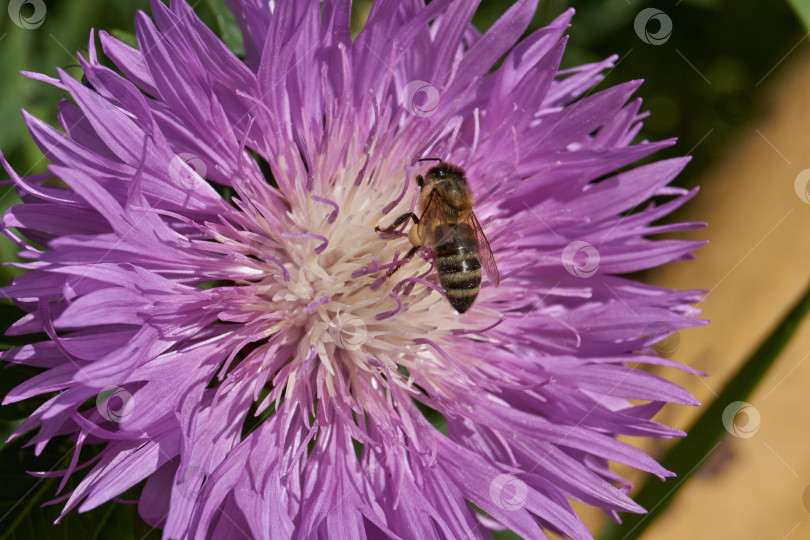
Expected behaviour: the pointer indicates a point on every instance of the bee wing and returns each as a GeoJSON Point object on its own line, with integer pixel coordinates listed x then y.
{"type": "Point", "coordinates": [484, 251]}
{"type": "Point", "coordinates": [433, 227]}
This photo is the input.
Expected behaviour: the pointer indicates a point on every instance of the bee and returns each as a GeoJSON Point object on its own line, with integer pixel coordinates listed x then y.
{"type": "Point", "coordinates": [448, 226]}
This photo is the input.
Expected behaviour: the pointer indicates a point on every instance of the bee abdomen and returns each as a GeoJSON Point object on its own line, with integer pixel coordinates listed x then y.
{"type": "Point", "coordinates": [459, 270]}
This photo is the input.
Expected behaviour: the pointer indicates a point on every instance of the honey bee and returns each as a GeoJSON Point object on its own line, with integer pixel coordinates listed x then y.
{"type": "Point", "coordinates": [448, 226]}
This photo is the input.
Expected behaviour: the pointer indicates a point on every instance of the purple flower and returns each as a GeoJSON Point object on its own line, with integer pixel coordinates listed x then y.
{"type": "Point", "coordinates": [216, 300]}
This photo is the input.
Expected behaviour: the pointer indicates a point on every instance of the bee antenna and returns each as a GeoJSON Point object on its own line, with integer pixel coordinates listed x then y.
{"type": "Point", "coordinates": [429, 159]}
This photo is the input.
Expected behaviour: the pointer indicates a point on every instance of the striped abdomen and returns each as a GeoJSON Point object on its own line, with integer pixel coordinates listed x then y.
{"type": "Point", "coordinates": [459, 268]}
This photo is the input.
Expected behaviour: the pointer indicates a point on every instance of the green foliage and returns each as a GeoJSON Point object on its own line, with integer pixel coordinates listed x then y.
{"type": "Point", "coordinates": [22, 495]}
{"type": "Point", "coordinates": [228, 28]}
{"type": "Point", "coordinates": [802, 9]}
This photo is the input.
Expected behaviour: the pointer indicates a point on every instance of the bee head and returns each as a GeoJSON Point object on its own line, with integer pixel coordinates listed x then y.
{"type": "Point", "coordinates": [445, 171]}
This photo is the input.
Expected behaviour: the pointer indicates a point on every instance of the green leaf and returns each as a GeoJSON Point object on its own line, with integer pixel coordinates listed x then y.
{"type": "Point", "coordinates": [9, 314]}
{"type": "Point", "coordinates": [126, 37]}
{"type": "Point", "coordinates": [229, 29]}
{"type": "Point", "coordinates": [802, 9]}
{"type": "Point", "coordinates": [686, 456]}
{"type": "Point", "coordinates": [22, 495]}
{"type": "Point", "coordinates": [8, 249]}
{"type": "Point", "coordinates": [14, 376]}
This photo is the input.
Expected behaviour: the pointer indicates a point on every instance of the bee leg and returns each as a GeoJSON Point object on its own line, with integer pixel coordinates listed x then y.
{"type": "Point", "coordinates": [399, 221]}
{"type": "Point", "coordinates": [408, 256]}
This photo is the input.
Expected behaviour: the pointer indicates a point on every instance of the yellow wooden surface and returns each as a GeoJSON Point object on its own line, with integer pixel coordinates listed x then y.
{"type": "Point", "coordinates": [756, 265]}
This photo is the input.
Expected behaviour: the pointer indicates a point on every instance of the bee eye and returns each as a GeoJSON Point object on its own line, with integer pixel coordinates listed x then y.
{"type": "Point", "coordinates": [442, 172]}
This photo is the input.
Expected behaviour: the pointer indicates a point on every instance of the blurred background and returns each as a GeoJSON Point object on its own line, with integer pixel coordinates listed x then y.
{"type": "Point", "coordinates": [730, 80]}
